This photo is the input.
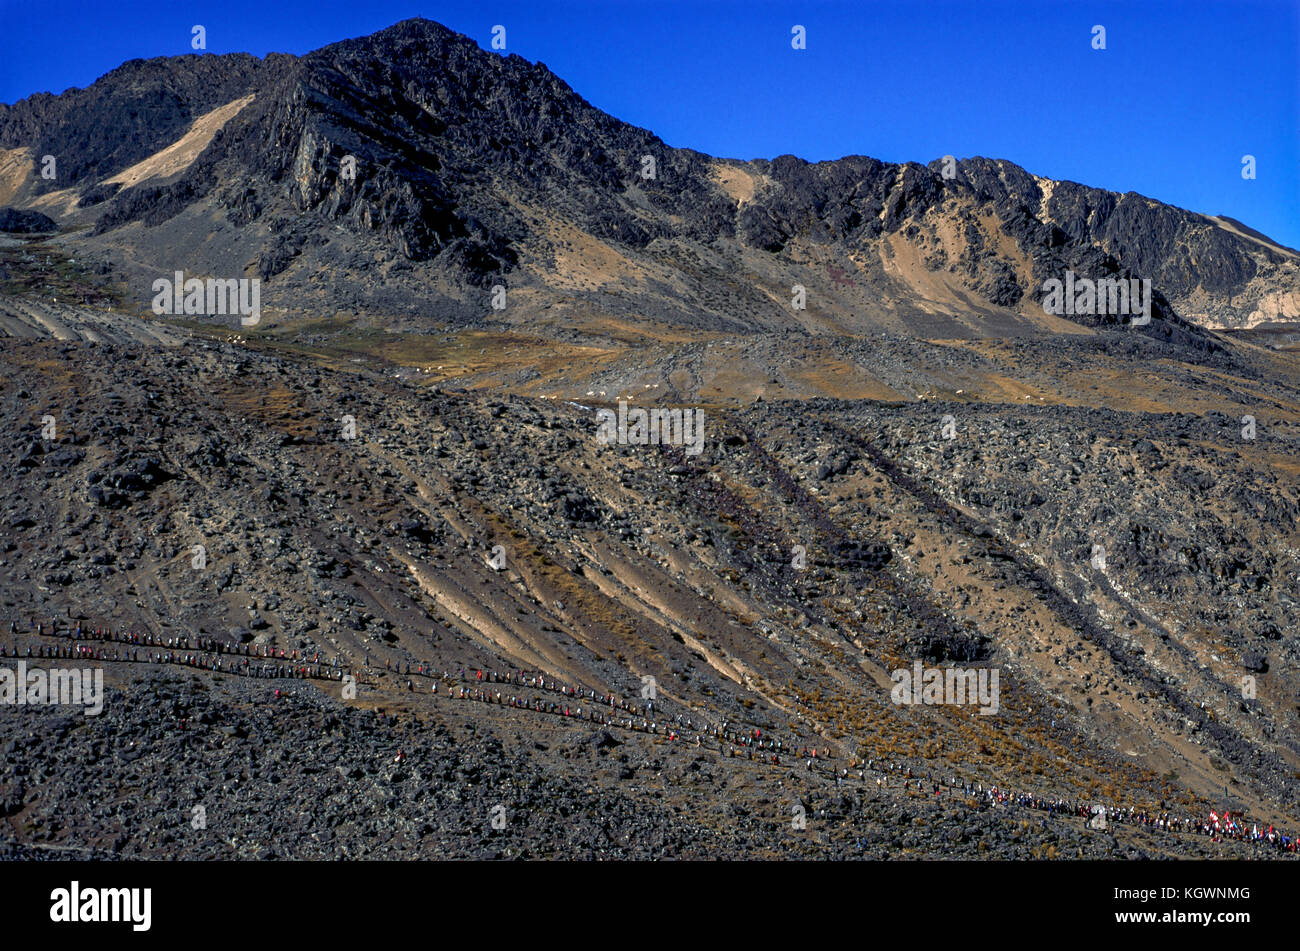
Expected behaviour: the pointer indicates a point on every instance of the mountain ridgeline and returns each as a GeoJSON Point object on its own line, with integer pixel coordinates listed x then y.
{"type": "Point", "coordinates": [470, 169]}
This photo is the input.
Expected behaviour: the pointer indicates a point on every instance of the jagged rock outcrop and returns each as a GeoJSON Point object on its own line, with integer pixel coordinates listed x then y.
{"type": "Point", "coordinates": [17, 221]}
{"type": "Point", "coordinates": [474, 167]}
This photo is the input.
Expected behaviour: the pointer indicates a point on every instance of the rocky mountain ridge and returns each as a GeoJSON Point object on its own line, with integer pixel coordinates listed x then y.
{"type": "Point", "coordinates": [474, 169]}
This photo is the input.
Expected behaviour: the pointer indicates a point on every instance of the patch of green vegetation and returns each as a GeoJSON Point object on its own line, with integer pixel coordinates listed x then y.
{"type": "Point", "coordinates": [32, 267]}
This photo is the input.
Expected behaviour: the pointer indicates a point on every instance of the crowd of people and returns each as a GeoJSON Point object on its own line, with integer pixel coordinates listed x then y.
{"type": "Point", "coordinates": [751, 744]}
{"type": "Point", "coordinates": [1216, 827]}
{"type": "Point", "coordinates": [129, 647]}
{"type": "Point", "coordinates": [609, 710]}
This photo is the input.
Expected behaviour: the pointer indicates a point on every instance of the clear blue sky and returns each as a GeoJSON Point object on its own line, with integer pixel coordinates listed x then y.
{"type": "Point", "coordinates": [1182, 92]}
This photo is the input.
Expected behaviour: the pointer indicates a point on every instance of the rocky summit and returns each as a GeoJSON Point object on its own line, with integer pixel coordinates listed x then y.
{"type": "Point", "coordinates": [433, 465]}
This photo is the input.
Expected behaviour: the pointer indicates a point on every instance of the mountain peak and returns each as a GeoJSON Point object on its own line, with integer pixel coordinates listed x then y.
{"type": "Point", "coordinates": [477, 169]}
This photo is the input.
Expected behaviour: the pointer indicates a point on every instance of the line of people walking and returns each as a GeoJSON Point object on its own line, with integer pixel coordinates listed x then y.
{"type": "Point", "coordinates": [604, 709]}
